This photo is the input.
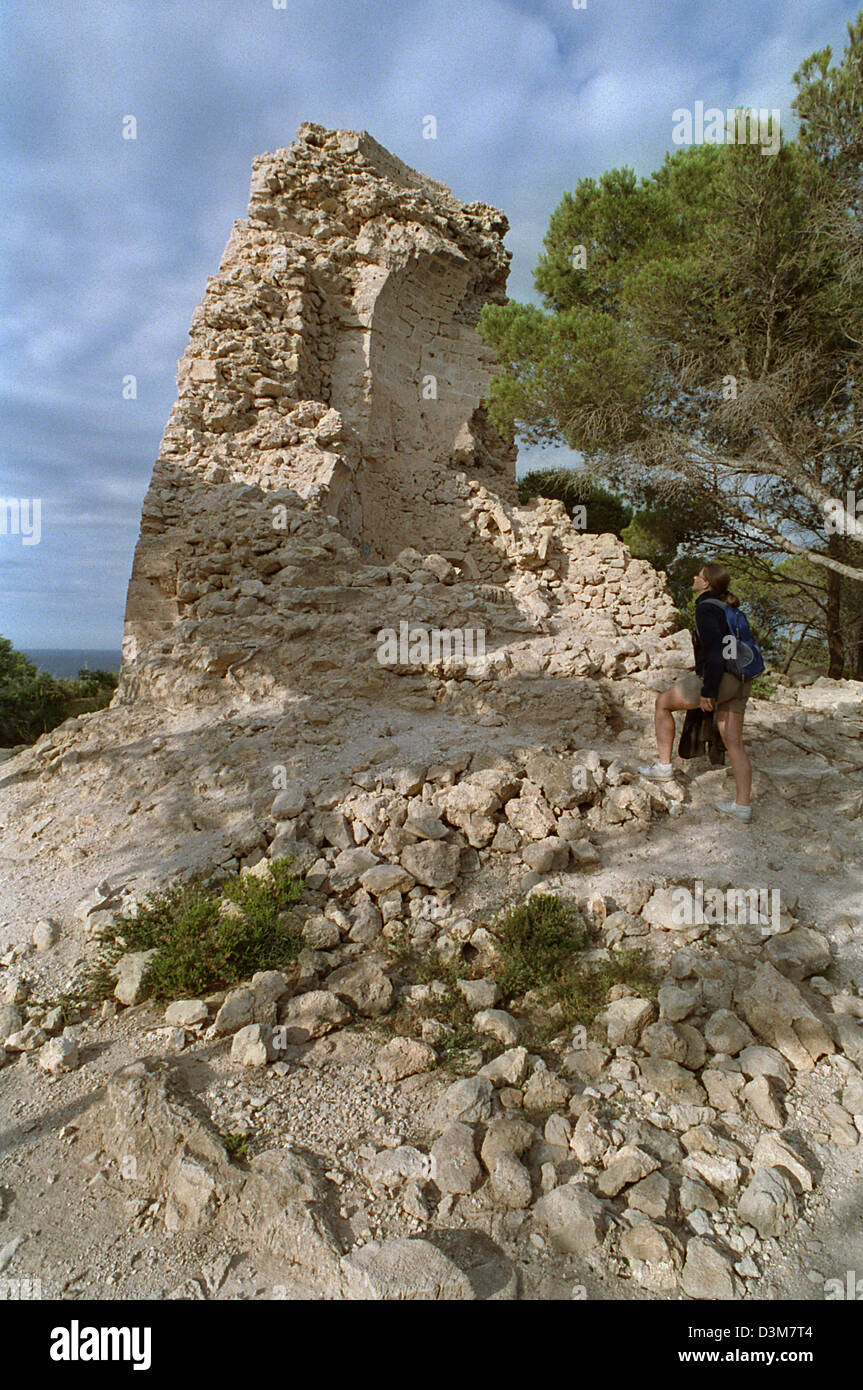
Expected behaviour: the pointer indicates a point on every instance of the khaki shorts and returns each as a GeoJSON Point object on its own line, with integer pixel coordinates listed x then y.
{"type": "Point", "coordinates": [730, 695]}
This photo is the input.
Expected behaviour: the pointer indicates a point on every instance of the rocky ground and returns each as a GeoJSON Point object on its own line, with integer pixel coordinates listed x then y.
{"type": "Point", "coordinates": [704, 1142]}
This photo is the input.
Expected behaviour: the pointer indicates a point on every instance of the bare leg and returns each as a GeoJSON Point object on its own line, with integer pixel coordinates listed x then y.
{"type": "Point", "coordinates": [730, 724]}
{"type": "Point", "coordinates": [663, 720]}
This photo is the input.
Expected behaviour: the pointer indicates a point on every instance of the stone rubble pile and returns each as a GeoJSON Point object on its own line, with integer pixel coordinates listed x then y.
{"type": "Point", "coordinates": [677, 1142]}
{"type": "Point", "coordinates": [266, 609]}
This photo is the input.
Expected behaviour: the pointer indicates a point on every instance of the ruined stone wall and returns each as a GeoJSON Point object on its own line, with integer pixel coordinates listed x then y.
{"type": "Point", "coordinates": [334, 353]}
{"type": "Point", "coordinates": [329, 470]}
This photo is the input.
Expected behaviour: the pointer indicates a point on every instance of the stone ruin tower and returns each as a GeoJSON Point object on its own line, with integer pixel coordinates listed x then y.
{"type": "Point", "coordinates": [329, 470]}
{"type": "Point", "coordinates": [335, 355]}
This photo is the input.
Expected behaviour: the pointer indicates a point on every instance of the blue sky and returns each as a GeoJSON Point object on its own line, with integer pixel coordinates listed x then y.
{"type": "Point", "coordinates": [107, 242]}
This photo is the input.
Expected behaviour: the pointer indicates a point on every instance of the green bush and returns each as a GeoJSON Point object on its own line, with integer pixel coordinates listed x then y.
{"type": "Point", "coordinates": [32, 702]}
{"type": "Point", "coordinates": [764, 687]}
{"type": "Point", "coordinates": [200, 949]}
{"type": "Point", "coordinates": [236, 1147]}
{"type": "Point", "coordinates": [541, 947]}
{"type": "Point", "coordinates": [538, 942]}
{"type": "Point", "coordinates": [424, 966]}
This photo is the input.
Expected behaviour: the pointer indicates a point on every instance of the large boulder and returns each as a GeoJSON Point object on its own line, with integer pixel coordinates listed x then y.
{"type": "Point", "coordinates": [237, 1009]}
{"type": "Point", "coordinates": [364, 985]}
{"type": "Point", "coordinates": [252, 1045]}
{"type": "Point", "coordinates": [402, 1057]}
{"type": "Point", "coordinates": [168, 1151]}
{"type": "Point", "coordinates": [132, 972]}
{"type": "Point", "coordinates": [624, 1020]}
{"type": "Point", "coordinates": [470, 1100]}
{"type": "Point", "coordinates": [769, 1203]}
{"type": "Point", "coordinates": [553, 776]}
{"type": "Point", "coordinates": [59, 1055]}
{"type": "Point", "coordinates": [655, 1256]}
{"type": "Point", "coordinates": [417, 1270]}
{"type": "Point", "coordinates": [629, 1165]}
{"type": "Point", "coordinates": [349, 867]}
{"type": "Point", "coordinates": [708, 1272]}
{"type": "Point", "coordinates": [312, 1015]}
{"type": "Point", "coordinates": [799, 953]}
{"type": "Point", "coordinates": [725, 1032]}
{"type": "Point", "coordinates": [455, 1167]}
{"type": "Point", "coordinates": [574, 1219]}
{"type": "Point", "coordinates": [776, 1010]}
{"type": "Point", "coordinates": [773, 1151]}
{"type": "Point", "coordinates": [434, 863]}
{"type": "Point", "coordinates": [672, 1081]}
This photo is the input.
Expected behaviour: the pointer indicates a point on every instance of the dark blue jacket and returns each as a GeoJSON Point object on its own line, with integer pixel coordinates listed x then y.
{"type": "Point", "coordinates": [708, 636]}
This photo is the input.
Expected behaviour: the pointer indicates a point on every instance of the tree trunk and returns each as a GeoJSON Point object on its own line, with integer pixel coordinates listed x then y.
{"type": "Point", "coordinates": [835, 645]}
{"type": "Point", "coordinates": [857, 649]}
{"type": "Point", "coordinates": [793, 650]}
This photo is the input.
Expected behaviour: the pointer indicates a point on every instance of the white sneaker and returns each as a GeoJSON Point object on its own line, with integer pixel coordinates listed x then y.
{"type": "Point", "coordinates": [657, 772]}
{"type": "Point", "coordinates": [730, 808]}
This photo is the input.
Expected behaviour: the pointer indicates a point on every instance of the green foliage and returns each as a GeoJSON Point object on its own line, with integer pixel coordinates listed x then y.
{"type": "Point", "coordinates": [829, 102]}
{"type": "Point", "coordinates": [237, 1147]}
{"type": "Point", "coordinates": [538, 942]}
{"type": "Point", "coordinates": [32, 702]}
{"type": "Point", "coordinates": [585, 990]}
{"type": "Point", "coordinates": [765, 686]}
{"type": "Point", "coordinates": [702, 327]}
{"type": "Point", "coordinates": [199, 948]}
{"type": "Point", "coordinates": [14, 665]}
{"type": "Point", "coordinates": [90, 683]}
{"type": "Point", "coordinates": [541, 946]}
{"type": "Point", "coordinates": [452, 1010]}
{"type": "Point", "coordinates": [811, 654]}
{"type": "Point", "coordinates": [659, 529]}
{"type": "Point", "coordinates": [541, 953]}
{"type": "Point", "coordinates": [620, 220]}
{"type": "Point", "coordinates": [447, 1006]}
{"type": "Point", "coordinates": [561, 369]}
{"type": "Point", "coordinates": [584, 368]}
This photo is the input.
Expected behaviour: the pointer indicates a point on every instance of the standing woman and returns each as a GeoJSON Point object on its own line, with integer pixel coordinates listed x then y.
{"type": "Point", "coordinates": [711, 687]}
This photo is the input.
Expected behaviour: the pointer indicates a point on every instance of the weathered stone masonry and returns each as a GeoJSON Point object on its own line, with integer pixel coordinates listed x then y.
{"type": "Point", "coordinates": [335, 350]}
{"type": "Point", "coordinates": [334, 376]}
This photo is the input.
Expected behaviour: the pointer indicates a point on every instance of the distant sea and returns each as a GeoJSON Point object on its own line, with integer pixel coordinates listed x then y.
{"type": "Point", "coordinates": [67, 663]}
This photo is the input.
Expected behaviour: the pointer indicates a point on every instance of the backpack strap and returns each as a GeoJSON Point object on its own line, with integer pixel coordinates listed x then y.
{"type": "Point", "coordinates": [717, 603]}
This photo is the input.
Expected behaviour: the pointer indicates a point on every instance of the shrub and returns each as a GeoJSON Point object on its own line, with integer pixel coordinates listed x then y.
{"type": "Point", "coordinates": [538, 942]}
{"type": "Point", "coordinates": [198, 947]}
{"type": "Point", "coordinates": [450, 1008]}
{"type": "Point", "coordinates": [541, 948]}
{"type": "Point", "coordinates": [764, 687]}
{"type": "Point", "coordinates": [237, 1147]}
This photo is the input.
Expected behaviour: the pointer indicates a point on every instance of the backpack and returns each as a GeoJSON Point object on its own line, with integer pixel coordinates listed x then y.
{"type": "Point", "coordinates": [742, 657]}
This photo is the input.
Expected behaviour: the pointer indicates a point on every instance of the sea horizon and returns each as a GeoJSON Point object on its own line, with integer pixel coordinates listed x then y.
{"type": "Point", "coordinates": [65, 662]}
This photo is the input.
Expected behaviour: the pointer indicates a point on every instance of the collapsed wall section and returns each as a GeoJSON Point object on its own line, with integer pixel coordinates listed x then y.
{"type": "Point", "coordinates": [335, 354]}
